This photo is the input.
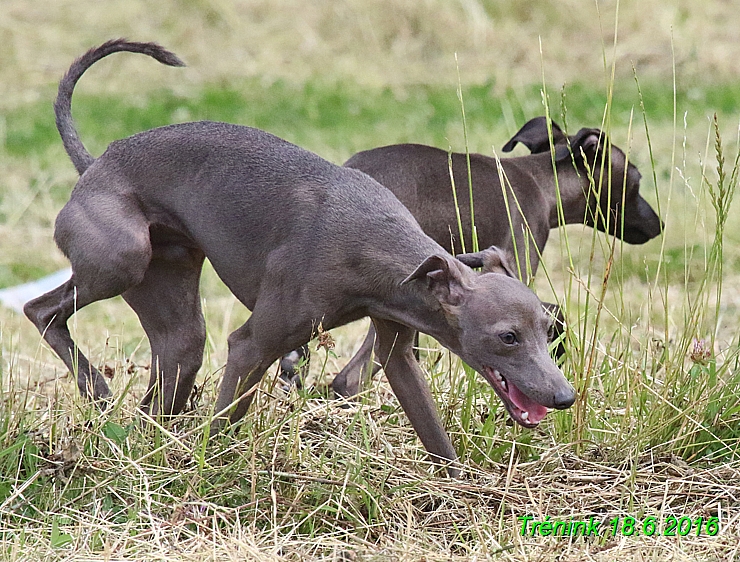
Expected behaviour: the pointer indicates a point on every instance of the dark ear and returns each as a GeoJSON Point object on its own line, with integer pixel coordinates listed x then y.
{"type": "Point", "coordinates": [491, 260]}
{"type": "Point", "coordinates": [534, 136]}
{"type": "Point", "coordinates": [586, 141]}
{"type": "Point", "coordinates": [442, 277]}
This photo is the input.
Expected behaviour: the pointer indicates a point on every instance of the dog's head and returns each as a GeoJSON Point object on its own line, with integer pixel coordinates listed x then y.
{"type": "Point", "coordinates": [502, 331]}
{"type": "Point", "coordinates": [613, 202]}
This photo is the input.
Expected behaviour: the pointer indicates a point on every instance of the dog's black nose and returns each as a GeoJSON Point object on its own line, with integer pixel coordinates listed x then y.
{"type": "Point", "coordinates": [564, 399]}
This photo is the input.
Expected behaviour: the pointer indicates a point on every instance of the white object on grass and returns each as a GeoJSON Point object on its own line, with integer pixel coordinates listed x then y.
{"type": "Point", "coordinates": [15, 297]}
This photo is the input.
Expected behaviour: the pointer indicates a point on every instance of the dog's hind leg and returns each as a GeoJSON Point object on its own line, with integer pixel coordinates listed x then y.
{"type": "Point", "coordinates": [50, 313]}
{"type": "Point", "coordinates": [294, 367]}
{"type": "Point", "coordinates": [349, 380]}
{"type": "Point", "coordinates": [167, 303]}
{"type": "Point", "coordinates": [558, 329]}
{"type": "Point", "coordinates": [107, 243]}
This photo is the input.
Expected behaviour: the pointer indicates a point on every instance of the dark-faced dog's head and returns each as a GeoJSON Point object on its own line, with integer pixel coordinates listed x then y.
{"type": "Point", "coordinates": [502, 331]}
{"type": "Point", "coordinates": [613, 203]}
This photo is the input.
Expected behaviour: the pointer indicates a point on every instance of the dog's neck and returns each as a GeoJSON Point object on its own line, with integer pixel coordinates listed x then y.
{"type": "Point", "coordinates": [412, 304]}
{"type": "Point", "coordinates": [574, 186]}
{"type": "Point", "coordinates": [417, 309]}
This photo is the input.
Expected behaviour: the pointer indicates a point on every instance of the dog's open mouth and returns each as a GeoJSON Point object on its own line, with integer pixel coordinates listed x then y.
{"type": "Point", "coordinates": [521, 408]}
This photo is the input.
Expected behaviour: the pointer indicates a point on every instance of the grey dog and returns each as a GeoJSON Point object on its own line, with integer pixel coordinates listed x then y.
{"type": "Point", "coordinates": [144, 216]}
{"type": "Point", "coordinates": [592, 182]}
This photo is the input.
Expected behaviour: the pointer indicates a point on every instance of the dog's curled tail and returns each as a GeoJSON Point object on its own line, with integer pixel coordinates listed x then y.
{"type": "Point", "coordinates": [81, 158]}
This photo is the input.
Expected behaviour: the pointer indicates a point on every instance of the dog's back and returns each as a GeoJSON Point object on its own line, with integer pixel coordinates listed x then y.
{"type": "Point", "coordinates": [175, 179]}
{"type": "Point", "coordinates": [419, 176]}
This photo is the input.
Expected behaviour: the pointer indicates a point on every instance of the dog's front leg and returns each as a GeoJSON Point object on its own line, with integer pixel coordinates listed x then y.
{"type": "Point", "coordinates": [395, 353]}
{"type": "Point", "coordinates": [244, 369]}
{"type": "Point", "coordinates": [253, 347]}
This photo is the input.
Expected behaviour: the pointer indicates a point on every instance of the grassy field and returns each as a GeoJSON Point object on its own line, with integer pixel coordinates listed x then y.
{"type": "Point", "coordinates": [653, 339]}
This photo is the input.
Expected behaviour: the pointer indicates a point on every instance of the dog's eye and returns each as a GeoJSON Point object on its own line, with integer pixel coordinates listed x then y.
{"type": "Point", "coordinates": [551, 332]}
{"type": "Point", "coordinates": [509, 338]}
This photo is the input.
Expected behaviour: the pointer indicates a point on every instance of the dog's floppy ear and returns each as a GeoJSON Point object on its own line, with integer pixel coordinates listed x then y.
{"type": "Point", "coordinates": [587, 141]}
{"type": "Point", "coordinates": [491, 260]}
{"type": "Point", "coordinates": [534, 136]}
{"type": "Point", "coordinates": [443, 278]}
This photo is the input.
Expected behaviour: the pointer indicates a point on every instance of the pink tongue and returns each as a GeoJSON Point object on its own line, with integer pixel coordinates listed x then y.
{"type": "Point", "coordinates": [537, 412]}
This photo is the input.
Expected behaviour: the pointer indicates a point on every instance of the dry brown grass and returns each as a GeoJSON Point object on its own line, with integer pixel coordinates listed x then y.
{"type": "Point", "coordinates": [387, 42]}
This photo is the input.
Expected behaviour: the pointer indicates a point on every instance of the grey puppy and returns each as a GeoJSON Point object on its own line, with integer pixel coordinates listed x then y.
{"type": "Point", "coordinates": [419, 176]}
{"type": "Point", "coordinates": [144, 216]}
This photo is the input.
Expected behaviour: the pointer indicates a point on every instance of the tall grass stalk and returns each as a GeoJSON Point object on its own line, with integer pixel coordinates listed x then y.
{"type": "Point", "coordinates": [473, 233]}
{"type": "Point", "coordinates": [460, 231]}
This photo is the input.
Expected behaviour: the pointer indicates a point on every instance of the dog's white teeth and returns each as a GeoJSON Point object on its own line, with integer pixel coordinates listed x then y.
{"type": "Point", "coordinates": [497, 375]}
{"type": "Point", "coordinates": [501, 379]}
{"type": "Point", "coordinates": [525, 416]}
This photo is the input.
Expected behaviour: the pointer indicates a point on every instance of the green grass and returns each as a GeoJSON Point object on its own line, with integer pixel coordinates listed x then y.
{"type": "Point", "coordinates": [334, 119]}
{"type": "Point", "coordinates": [346, 118]}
